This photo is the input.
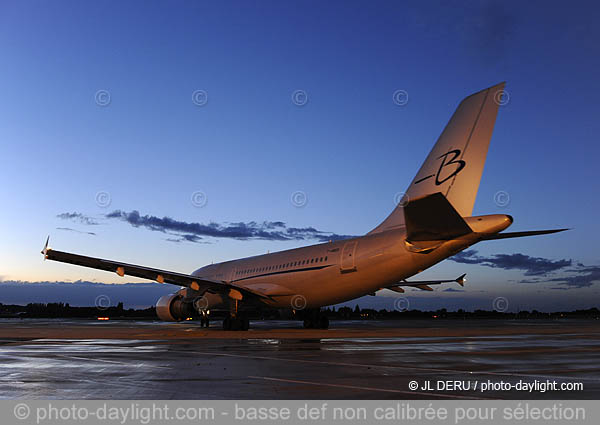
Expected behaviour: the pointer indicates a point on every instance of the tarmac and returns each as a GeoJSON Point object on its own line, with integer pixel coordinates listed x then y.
{"type": "Point", "coordinates": [414, 359]}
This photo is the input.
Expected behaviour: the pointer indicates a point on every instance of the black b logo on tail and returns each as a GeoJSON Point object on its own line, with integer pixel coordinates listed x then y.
{"type": "Point", "coordinates": [449, 158]}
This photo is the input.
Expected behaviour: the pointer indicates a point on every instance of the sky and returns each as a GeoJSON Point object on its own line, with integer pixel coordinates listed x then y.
{"type": "Point", "coordinates": [176, 134]}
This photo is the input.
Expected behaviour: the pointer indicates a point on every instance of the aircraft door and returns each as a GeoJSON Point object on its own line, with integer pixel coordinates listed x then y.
{"type": "Point", "coordinates": [347, 264]}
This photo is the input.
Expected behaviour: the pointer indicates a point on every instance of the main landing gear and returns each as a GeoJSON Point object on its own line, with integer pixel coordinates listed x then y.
{"type": "Point", "coordinates": [314, 319]}
{"type": "Point", "coordinates": [236, 323]}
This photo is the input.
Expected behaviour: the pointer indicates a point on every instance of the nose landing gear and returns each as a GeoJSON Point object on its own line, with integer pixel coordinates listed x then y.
{"type": "Point", "coordinates": [204, 320]}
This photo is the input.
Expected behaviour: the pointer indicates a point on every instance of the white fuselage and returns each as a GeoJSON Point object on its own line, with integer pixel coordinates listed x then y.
{"type": "Point", "coordinates": [339, 271]}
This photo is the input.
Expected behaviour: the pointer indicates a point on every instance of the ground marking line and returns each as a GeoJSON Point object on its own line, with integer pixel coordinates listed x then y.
{"type": "Point", "coordinates": [355, 387]}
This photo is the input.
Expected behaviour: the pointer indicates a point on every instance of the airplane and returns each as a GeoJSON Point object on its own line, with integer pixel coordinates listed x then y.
{"type": "Point", "coordinates": [432, 222]}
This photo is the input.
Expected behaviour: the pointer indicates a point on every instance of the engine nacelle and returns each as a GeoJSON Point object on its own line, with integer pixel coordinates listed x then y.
{"type": "Point", "coordinates": [173, 308]}
{"type": "Point", "coordinates": [188, 303]}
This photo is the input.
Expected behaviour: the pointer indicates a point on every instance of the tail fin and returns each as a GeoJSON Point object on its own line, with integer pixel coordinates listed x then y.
{"type": "Point", "coordinates": [455, 164]}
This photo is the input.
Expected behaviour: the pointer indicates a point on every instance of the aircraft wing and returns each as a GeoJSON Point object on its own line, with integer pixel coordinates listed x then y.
{"type": "Point", "coordinates": [424, 284]}
{"type": "Point", "coordinates": [162, 276]}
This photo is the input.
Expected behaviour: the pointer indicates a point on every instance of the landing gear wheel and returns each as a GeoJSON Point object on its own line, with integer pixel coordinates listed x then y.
{"type": "Point", "coordinates": [236, 324]}
{"type": "Point", "coordinates": [315, 320]}
{"type": "Point", "coordinates": [323, 322]}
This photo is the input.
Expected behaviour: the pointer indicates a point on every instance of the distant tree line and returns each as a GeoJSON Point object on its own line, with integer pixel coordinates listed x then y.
{"type": "Point", "coordinates": [62, 310]}
{"type": "Point", "coordinates": [371, 314]}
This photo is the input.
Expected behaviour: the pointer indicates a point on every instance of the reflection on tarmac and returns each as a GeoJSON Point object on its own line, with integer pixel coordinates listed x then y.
{"type": "Point", "coordinates": [356, 360]}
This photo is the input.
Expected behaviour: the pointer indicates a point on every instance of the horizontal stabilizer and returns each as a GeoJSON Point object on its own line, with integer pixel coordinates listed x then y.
{"type": "Point", "coordinates": [424, 284]}
{"type": "Point", "coordinates": [433, 218]}
{"type": "Point", "coordinates": [509, 235]}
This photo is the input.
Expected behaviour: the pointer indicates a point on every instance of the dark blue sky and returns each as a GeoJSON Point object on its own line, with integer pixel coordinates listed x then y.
{"type": "Point", "coordinates": [349, 149]}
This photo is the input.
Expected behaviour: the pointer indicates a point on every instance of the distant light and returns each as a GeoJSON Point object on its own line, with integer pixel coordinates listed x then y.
{"type": "Point", "coordinates": [190, 318]}
{"type": "Point", "coordinates": [103, 318]}
{"type": "Point", "coordinates": [435, 317]}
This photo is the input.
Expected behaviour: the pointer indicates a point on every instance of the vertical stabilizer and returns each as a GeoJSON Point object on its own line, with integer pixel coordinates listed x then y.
{"type": "Point", "coordinates": [455, 164]}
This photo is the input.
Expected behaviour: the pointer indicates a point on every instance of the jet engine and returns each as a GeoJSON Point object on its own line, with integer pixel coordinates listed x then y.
{"type": "Point", "coordinates": [187, 303]}
{"type": "Point", "coordinates": [173, 308]}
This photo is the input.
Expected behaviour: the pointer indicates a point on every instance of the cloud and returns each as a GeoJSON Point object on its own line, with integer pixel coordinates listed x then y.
{"type": "Point", "coordinates": [75, 230]}
{"type": "Point", "coordinates": [533, 266]}
{"type": "Point", "coordinates": [186, 238]}
{"type": "Point", "coordinates": [543, 270]}
{"type": "Point", "coordinates": [584, 276]}
{"type": "Point", "coordinates": [196, 232]}
{"type": "Point", "coordinates": [78, 217]}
